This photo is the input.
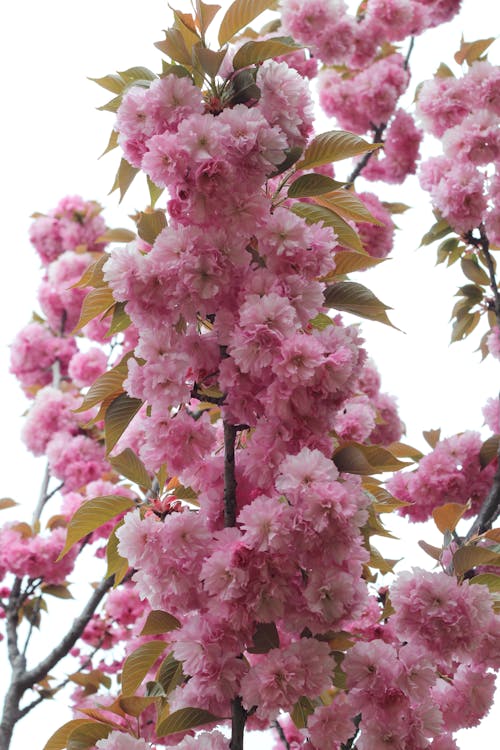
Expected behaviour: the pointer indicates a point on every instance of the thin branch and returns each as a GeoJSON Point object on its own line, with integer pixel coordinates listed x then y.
{"type": "Point", "coordinates": [378, 131]}
{"type": "Point", "coordinates": [281, 733]}
{"type": "Point", "coordinates": [42, 669]}
{"type": "Point", "coordinates": [229, 475]}
{"type": "Point", "coordinates": [490, 509]}
{"type": "Point", "coordinates": [408, 54]}
{"type": "Point", "coordinates": [12, 620]}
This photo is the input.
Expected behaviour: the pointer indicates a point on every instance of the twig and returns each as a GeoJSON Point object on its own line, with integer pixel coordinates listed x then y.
{"type": "Point", "coordinates": [281, 733]}
{"type": "Point", "coordinates": [408, 54]}
{"type": "Point", "coordinates": [378, 131]}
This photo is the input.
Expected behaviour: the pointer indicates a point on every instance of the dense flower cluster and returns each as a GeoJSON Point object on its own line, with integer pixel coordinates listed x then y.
{"type": "Point", "coordinates": [464, 113]}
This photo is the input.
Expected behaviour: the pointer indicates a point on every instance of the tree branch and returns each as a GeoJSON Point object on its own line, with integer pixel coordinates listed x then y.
{"type": "Point", "coordinates": [378, 131]}
{"type": "Point", "coordinates": [281, 733]}
{"type": "Point", "coordinates": [37, 673]}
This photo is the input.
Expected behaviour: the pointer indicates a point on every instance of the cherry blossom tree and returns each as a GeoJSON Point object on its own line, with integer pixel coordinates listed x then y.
{"type": "Point", "coordinates": [225, 430]}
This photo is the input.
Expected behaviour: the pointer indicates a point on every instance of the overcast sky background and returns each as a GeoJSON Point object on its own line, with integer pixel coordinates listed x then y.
{"type": "Point", "coordinates": [52, 134]}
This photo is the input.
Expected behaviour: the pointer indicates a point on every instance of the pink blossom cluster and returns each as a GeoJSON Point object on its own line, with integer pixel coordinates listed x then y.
{"type": "Point", "coordinates": [73, 223]}
{"type": "Point", "coordinates": [339, 38]}
{"type": "Point", "coordinates": [452, 472]}
{"type": "Point", "coordinates": [464, 113]}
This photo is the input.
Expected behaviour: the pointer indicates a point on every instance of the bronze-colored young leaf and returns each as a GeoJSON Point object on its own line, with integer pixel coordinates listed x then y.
{"type": "Point", "coordinates": [334, 146]}
{"type": "Point", "coordinates": [354, 298]}
{"type": "Point", "coordinates": [239, 14]}
{"type": "Point", "coordinates": [434, 552]}
{"type": "Point", "coordinates": [107, 384]}
{"type": "Point", "coordinates": [264, 638]}
{"type": "Point", "coordinates": [150, 224]}
{"type": "Point", "coordinates": [432, 437]}
{"type": "Point", "coordinates": [124, 178]}
{"type": "Point", "coordinates": [395, 208]}
{"type": "Point", "coordinates": [348, 205]}
{"type": "Point", "coordinates": [403, 450]}
{"type": "Point", "coordinates": [379, 562]}
{"type": "Point", "coordinates": [174, 47]}
{"type": "Point", "coordinates": [138, 664]}
{"type": "Point", "coordinates": [93, 274]}
{"type": "Point", "coordinates": [314, 214]}
{"type": "Point", "coordinates": [474, 272]}
{"type": "Point", "coordinates": [129, 465]}
{"type": "Point", "coordinates": [471, 51]}
{"type": "Point", "coordinates": [206, 14]}
{"type": "Point", "coordinates": [119, 414]}
{"type": "Point", "coordinates": [137, 73]}
{"type": "Point", "coordinates": [117, 565]}
{"type": "Point", "coordinates": [312, 184]}
{"type": "Point", "coordinates": [117, 235]}
{"type": "Point", "coordinates": [253, 53]}
{"type": "Point", "coordinates": [467, 558]}
{"type": "Point", "coordinates": [183, 719]}
{"type": "Point", "coordinates": [447, 516]}
{"type": "Point", "coordinates": [135, 705]}
{"type": "Point", "coordinates": [158, 622]}
{"type": "Point", "coordinates": [464, 325]}
{"type": "Point", "coordinates": [489, 450]}
{"type": "Point", "coordinates": [443, 71]}
{"type": "Point", "coordinates": [96, 303]}
{"type": "Point", "coordinates": [7, 502]}
{"type": "Point", "coordinates": [356, 458]}
{"type": "Point", "coordinates": [154, 190]}
{"type": "Point", "coordinates": [209, 60]}
{"type": "Point", "coordinates": [92, 514]}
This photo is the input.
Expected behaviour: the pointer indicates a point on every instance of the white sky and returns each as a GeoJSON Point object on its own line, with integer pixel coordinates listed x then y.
{"type": "Point", "coordinates": [52, 135]}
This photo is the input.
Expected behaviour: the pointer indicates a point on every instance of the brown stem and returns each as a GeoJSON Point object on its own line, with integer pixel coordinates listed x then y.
{"type": "Point", "coordinates": [378, 131]}
{"type": "Point", "coordinates": [238, 713]}
{"type": "Point", "coordinates": [281, 733]}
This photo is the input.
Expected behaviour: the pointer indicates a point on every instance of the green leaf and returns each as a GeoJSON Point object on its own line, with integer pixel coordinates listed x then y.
{"type": "Point", "coordinates": [59, 740]}
{"type": "Point", "coordinates": [170, 674]}
{"type": "Point", "coordinates": [312, 184]}
{"type": "Point", "coordinates": [113, 105]}
{"type": "Point", "coordinates": [111, 82]}
{"type": "Point", "coordinates": [86, 736]}
{"type": "Point", "coordinates": [301, 711]}
{"type": "Point", "coordinates": [138, 664]}
{"type": "Point", "coordinates": [129, 465]}
{"type": "Point", "coordinates": [334, 146]}
{"type": "Point", "coordinates": [106, 385]}
{"type": "Point", "coordinates": [438, 230]}
{"type": "Point", "coordinates": [183, 719]}
{"type": "Point", "coordinates": [154, 191]}
{"type": "Point", "coordinates": [467, 558]}
{"type": "Point", "coordinates": [117, 565]}
{"type": "Point", "coordinates": [312, 214]}
{"type": "Point", "coordinates": [135, 705]}
{"type": "Point", "coordinates": [356, 458]}
{"type": "Point", "coordinates": [348, 261]}
{"type": "Point", "coordinates": [292, 155]}
{"type": "Point", "coordinates": [395, 208]}
{"type": "Point", "coordinates": [120, 321]}
{"type": "Point", "coordinates": [239, 14]}
{"type": "Point", "coordinates": [124, 178]}
{"type": "Point", "coordinates": [474, 272]}
{"type": "Point", "coordinates": [118, 416]}
{"type": "Point", "coordinates": [264, 638]}
{"type": "Point", "coordinates": [348, 205]}
{"type": "Point", "coordinates": [354, 298]}
{"type": "Point", "coordinates": [137, 73]}
{"type": "Point", "coordinates": [150, 224]}
{"type": "Point", "coordinates": [253, 53]}
{"type": "Point", "coordinates": [91, 515]}
{"type": "Point", "coordinates": [158, 622]}
{"type": "Point", "coordinates": [464, 326]}
{"type": "Point", "coordinates": [491, 580]}
{"type": "Point", "coordinates": [60, 591]}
